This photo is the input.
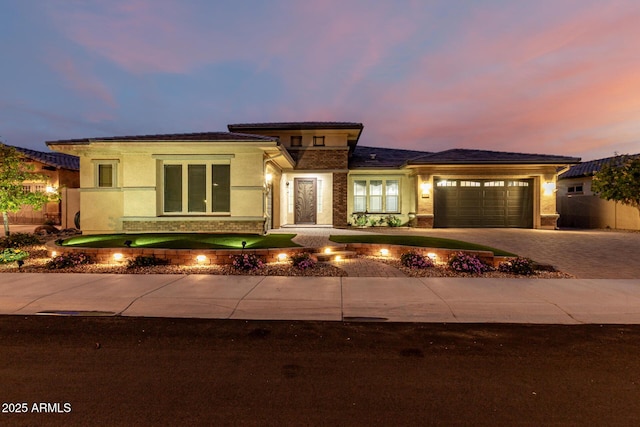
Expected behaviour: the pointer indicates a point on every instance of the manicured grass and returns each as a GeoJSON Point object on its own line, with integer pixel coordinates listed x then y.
{"type": "Point", "coordinates": [183, 241]}
{"type": "Point", "coordinates": [427, 242]}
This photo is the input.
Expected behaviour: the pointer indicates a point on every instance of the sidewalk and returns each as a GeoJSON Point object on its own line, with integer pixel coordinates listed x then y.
{"type": "Point", "coordinates": [540, 301]}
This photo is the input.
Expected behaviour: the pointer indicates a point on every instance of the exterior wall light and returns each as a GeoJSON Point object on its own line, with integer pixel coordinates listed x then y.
{"type": "Point", "coordinates": [268, 178]}
{"type": "Point", "coordinates": [50, 189]}
{"type": "Point", "coordinates": [384, 252]}
{"type": "Point", "coordinates": [282, 257]}
{"type": "Point", "coordinates": [549, 188]}
{"type": "Point", "coordinates": [201, 259]}
{"type": "Point", "coordinates": [425, 189]}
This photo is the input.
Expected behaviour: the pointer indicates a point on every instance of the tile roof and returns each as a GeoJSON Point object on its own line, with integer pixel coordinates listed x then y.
{"type": "Point", "coordinates": [57, 160]}
{"type": "Point", "coordinates": [202, 136]}
{"type": "Point", "coordinates": [295, 126]}
{"type": "Point", "coordinates": [591, 167]}
{"type": "Point", "coordinates": [376, 157]}
{"type": "Point", "coordinates": [469, 156]}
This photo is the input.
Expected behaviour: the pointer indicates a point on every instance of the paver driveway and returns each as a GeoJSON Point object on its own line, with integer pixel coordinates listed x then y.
{"type": "Point", "coordinates": [587, 254]}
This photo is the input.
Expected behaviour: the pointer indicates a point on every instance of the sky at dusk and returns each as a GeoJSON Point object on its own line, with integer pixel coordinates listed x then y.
{"type": "Point", "coordinates": [545, 76]}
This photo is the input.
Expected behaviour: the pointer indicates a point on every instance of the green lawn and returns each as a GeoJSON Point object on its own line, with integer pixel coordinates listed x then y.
{"type": "Point", "coordinates": [428, 242]}
{"type": "Point", "coordinates": [183, 241]}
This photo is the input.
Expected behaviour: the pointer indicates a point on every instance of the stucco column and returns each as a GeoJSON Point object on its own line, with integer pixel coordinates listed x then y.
{"type": "Point", "coordinates": [424, 198]}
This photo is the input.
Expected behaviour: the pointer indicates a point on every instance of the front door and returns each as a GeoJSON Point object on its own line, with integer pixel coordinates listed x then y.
{"type": "Point", "coordinates": [305, 200]}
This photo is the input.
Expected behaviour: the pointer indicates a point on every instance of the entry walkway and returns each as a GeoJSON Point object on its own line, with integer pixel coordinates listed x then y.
{"type": "Point", "coordinates": [550, 301]}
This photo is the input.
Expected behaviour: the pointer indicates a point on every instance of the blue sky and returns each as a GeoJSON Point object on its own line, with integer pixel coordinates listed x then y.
{"type": "Point", "coordinates": [545, 76]}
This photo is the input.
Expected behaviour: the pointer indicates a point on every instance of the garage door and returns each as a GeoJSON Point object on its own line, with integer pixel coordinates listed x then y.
{"type": "Point", "coordinates": [483, 203]}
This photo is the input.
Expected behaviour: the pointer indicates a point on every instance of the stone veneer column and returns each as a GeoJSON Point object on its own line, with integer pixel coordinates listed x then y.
{"type": "Point", "coordinates": [339, 199]}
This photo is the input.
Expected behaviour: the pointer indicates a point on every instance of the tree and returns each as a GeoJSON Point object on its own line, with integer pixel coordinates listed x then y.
{"type": "Point", "coordinates": [619, 180]}
{"type": "Point", "coordinates": [13, 173]}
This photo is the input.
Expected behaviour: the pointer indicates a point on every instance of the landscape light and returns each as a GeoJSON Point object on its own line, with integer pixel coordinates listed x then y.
{"type": "Point", "coordinates": [384, 252]}
{"type": "Point", "coordinates": [118, 257]}
{"type": "Point", "coordinates": [201, 259]}
{"type": "Point", "coordinates": [282, 257]}
{"type": "Point", "coordinates": [327, 250]}
{"type": "Point", "coordinates": [54, 254]}
{"type": "Point", "coordinates": [338, 258]}
{"type": "Point", "coordinates": [433, 256]}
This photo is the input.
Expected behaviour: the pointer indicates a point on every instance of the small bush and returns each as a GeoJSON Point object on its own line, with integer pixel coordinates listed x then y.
{"type": "Point", "coordinates": [302, 261]}
{"type": "Point", "coordinates": [360, 219]}
{"type": "Point", "coordinates": [68, 260]}
{"type": "Point", "coordinates": [247, 262]}
{"type": "Point", "coordinates": [465, 263]}
{"type": "Point", "coordinates": [522, 266]}
{"type": "Point", "coordinates": [146, 261]}
{"type": "Point", "coordinates": [393, 221]}
{"type": "Point", "coordinates": [19, 240]}
{"type": "Point", "coordinates": [12, 255]}
{"type": "Point", "coordinates": [415, 260]}
{"type": "Point", "coordinates": [376, 222]}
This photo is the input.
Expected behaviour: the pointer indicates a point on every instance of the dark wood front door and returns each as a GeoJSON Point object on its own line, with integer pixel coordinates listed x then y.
{"type": "Point", "coordinates": [305, 200]}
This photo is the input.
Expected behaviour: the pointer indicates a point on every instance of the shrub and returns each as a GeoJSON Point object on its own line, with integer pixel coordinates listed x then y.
{"type": "Point", "coordinates": [12, 255]}
{"type": "Point", "coordinates": [522, 266]}
{"type": "Point", "coordinates": [360, 219]}
{"type": "Point", "coordinates": [393, 221]}
{"type": "Point", "coordinates": [415, 260]}
{"type": "Point", "coordinates": [146, 261]}
{"type": "Point", "coordinates": [19, 240]}
{"type": "Point", "coordinates": [246, 262]}
{"type": "Point", "coordinates": [465, 263]}
{"type": "Point", "coordinates": [375, 222]}
{"type": "Point", "coordinates": [302, 261]}
{"type": "Point", "coordinates": [67, 260]}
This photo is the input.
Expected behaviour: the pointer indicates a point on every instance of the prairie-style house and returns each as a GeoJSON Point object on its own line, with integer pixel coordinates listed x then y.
{"type": "Point", "coordinates": [259, 176]}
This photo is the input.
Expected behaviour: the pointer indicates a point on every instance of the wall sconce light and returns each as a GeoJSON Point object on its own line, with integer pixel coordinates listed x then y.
{"type": "Point", "coordinates": [425, 189]}
{"type": "Point", "coordinates": [268, 178]}
{"type": "Point", "coordinates": [549, 188]}
{"type": "Point", "coordinates": [50, 189]}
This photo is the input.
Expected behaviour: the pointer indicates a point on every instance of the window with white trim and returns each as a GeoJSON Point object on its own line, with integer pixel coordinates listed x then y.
{"type": "Point", "coordinates": [106, 173]}
{"type": "Point", "coordinates": [376, 196]}
{"type": "Point", "coordinates": [196, 188]}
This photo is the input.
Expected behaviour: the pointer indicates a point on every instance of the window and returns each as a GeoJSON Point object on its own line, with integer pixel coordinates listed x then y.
{"type": "Point", "coordinates": [575, 189]}
{"type": "Point", "coordinates": [296, 141]}
{"type": "Point", "coordinates": [26, 189]}
{"type": "Point", "coordinates": [445, 183]}
{"type": "Point", "coordinates": [105, 173]}
{"type": "Point", "coordinates": [40, 188]}
{"type": "Point", "coordinates": [494, 184]}
{"type": "Point", "coordinates": [318, 141]}
{"type": "Point", "coordinates": [376, 196]}
{"type": "Point", "coordinates": [469, 184]}
{"type": "Point", "coordinates": [200, 188]}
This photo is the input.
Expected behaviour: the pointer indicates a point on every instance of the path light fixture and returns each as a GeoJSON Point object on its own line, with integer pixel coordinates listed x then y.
{"type": "Point", "coordinates": [282, 257]}
{"type": "Point", "coordinates": [384, 252]}
{"type": "Point", "coordinates": [327, 250]}
{"type": "Point", "coordinates": [201, 259]}
{"type": "Point", "coordinates": [118, 257]}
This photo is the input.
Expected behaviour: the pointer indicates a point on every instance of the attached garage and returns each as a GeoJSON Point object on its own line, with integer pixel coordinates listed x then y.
{"type": "Point", "coordinates": [490, 203]}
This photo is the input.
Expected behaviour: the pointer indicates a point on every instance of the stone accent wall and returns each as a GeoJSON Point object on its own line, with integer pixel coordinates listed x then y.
{"type": "Point", "coordinates": [549, 221]}
{"type": "Point", "coordinates": [339, 199]}
{"type": "Point", "coordinates": [320, 159]}
{"type": "Point", "coordinates": [424, 221]}
{"type": "Point", "coordinates": [187, 226]}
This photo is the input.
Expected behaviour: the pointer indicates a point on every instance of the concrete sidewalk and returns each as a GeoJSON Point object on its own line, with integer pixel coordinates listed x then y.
{"type": "Point", "coordinates": [541, 301]}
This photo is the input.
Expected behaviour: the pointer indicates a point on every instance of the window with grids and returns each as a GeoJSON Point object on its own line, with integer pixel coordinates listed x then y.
{"type": "Point", "coordinates": [196, 188]}
{"type": "Point", "coordinates": [376, 196]}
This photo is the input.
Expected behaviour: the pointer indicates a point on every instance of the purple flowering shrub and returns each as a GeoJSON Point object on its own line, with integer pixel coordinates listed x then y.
{"type": "Point", "coordinates": [415, 260]}
{"type": "Point", "coordinates": [519, 265]}
{"type": "Point", "coordinates": [67, 260]}
{"type": "Point", "coordinates": [302, 261]}
{"type": "Point", "coordinates": [465, 263]}
{"type": "Point", "coordinates": [247, 262]}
